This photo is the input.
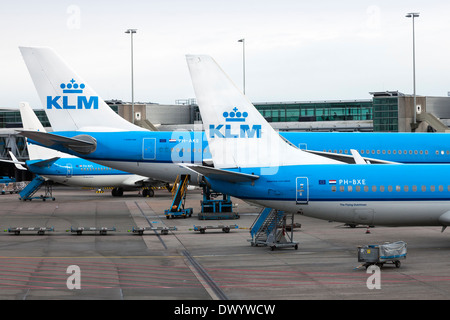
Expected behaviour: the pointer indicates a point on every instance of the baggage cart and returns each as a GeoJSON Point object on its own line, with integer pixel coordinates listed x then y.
{"type": "Point", "coordinates": [380, 254]}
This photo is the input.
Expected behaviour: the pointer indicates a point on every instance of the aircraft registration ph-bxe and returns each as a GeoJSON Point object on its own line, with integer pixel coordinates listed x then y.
{"type": "Point", "coordinates": [85, 126]}
{"type": "Point", "coordinates": [73, 171]}
{"type": "Point", "coordinates": [262, 168]}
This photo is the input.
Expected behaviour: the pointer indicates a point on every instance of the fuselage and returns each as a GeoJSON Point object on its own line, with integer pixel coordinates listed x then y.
{"type": "Point", "coordinates": [153, 154]}
{"type": "Point", "coordinates": [82, 173]}
{"type": "Point", "coordinates": [388, 195]}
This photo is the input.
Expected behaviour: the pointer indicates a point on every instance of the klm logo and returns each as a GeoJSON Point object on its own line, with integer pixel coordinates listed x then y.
{"type": "Point", "coordinates": [234, 131]}
{"type": "Point", "coordinates": [81, 102]}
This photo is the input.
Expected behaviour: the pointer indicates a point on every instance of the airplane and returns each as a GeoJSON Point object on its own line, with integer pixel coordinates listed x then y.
{"type": "Point", "coordinates": [85, 126]}
{"type": "Point", "coordinates": [73, 171]}
{"type": "Point", "coordinates": [252, 162]}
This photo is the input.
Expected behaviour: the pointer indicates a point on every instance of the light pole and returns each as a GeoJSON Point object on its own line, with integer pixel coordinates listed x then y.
{"type": "Point", "coordinates": [132, 31]}
{"type": "Point", "coordinates": [243, 59]}
{"type": "Point", "coordinates": [414, 15]}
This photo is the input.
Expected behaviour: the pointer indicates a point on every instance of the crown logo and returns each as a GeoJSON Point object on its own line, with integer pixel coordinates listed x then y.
{"type": "Point", "coordinates": [72, 87]}
{"type": "Point", "coordinates": [235, 116]}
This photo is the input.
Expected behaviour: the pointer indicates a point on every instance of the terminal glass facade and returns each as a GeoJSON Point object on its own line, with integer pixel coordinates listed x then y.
{"type": "Point", "coordinates": [385, 114]}
{"type": "Point", "coordinates": [12, 119]}
{"type": "Point", "coordinates": [316, 111]}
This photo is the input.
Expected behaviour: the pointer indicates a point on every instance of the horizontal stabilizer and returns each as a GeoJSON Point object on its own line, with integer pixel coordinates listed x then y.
{"type": "Point", "coordinates": [18, 164]}
{"type": "Point", "coordinates": [350, 159]}
{"type": "Point", "coordinates": [83, 144]}
{"type": "Point", "coordinates": [224, 175]}
{"type": "Point", "coordinates": [44, 163]}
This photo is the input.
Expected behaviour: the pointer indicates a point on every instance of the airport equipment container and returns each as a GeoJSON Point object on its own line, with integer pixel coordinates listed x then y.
{"type": "Point", "coordinates": [380, 254]}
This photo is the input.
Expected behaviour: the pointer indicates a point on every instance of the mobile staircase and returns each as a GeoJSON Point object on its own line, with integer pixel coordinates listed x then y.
{"type": "Point", "coordinates": [269, 229]}
{"type": "Point", "coordinates": [35, 184]}
{"type": "Point", "coordinates": [177, 208]}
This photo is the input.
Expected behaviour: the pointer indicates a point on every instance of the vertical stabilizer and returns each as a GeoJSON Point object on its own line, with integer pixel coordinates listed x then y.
{"type": "Point", "coordinates": [70, 103]}
{"type": "Point", "coordinates": [238, 135]}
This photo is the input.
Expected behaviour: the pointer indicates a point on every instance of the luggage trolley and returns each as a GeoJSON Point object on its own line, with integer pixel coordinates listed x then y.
{"type": "Point", "coordinates": [380, 254]}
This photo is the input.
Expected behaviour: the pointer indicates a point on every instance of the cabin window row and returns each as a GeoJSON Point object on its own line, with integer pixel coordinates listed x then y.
{"type": "Point", "coordinates": [414, 188]}
{"type": "Point", "coordinates": [96, 169]}
{"type": "Point", "coordinates": [416, 152]}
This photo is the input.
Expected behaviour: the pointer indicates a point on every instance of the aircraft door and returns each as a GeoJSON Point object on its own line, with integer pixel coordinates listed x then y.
{"type": "Point", "coordinates": [69, 170]}
{"type": "Point", "coordinates": [149, 148]}
{"type": "Point", "coordinates": [302, 190]}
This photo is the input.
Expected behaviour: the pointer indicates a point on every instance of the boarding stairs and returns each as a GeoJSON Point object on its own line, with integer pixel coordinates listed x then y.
{"type": "Point", "coordinates": [269, 229]}
{"type": "Point", "coordinates": [35, 184]}
{"type": "Point", "coordinates": [179, 197]}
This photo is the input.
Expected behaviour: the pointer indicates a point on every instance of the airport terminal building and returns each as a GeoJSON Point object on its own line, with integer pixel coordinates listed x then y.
{"type": "Point", "coordinates": [388, 111]}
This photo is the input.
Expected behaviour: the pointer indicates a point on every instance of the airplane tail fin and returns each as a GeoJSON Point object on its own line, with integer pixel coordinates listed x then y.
{"type": "Point", "coordinates": [238, 135]}
{"type": "Point", "coordinates": [31, 122]}
{"type": "Point", "coordinates": [17, 163]}
{"type": "Point", "coordinates": [70, 103]}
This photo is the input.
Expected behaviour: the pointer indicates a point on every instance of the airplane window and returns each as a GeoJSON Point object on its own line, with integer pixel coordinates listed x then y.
{"type": "Point", "coordinates": [405, 152]}
{"type": "Point", "coordinates": [426, 151]}
{"type": "Point", "coordinates": [350, 188]}
{"type": "Point", "coordinates": [366, 188]}
{"type": "Point", "coordinates": [399, 151]}
{"type": "Point", "coordinates": [437, 152]}
{"type": "Point", "coordinates": [394, 152]}
{"type": "Point", "coordinates": [441, 188]}
{"type": "Point", "coordinates": [389, 151]}
{"type": "Point", "coordinates": [340, 151]}
{"type": "Point", "coordinates": [410, 151]}
{"type": "Point", "coordinates": [448, 152]}
{"type": "Point", "coordinates": [432, 188]}
{"type": "Point", "coordinates": [390, 188]}
{"type": "Point", "coordinates": [374, 188]}
{"type": "Point", "coordinates": [398, 188]}
{"type": "Point", "coordinates": [382, 188]}
{"type": "Point", "coordinates": [415, 151]}
{"type": "Point", "coordinates": [367, 151]}
{"type": "Point", "coordinates": [378, 151]}
{"type": "Point", "coordinates": [406, 188]}
{"type": "Point", "coordinates": [346, 151]}
{"type": "Point", "coordinates": [358, 188]}
{"type": "Point", "coordinates": [421, 152]}
{"type": "Point", "coordinates": [342, 188]}
{"type": "Point", "coordinates": [193, 150]}
{"type": "Point", "coordinates": [424, 188]}
{"type": "Point", "coordinates": [333, 188]}
{"type": "Point", "coordinates": [362, 151]}
{"type": "Point", "coordinates": [414, 188]}
{"type": "Point", "coordinates": [384, 151]}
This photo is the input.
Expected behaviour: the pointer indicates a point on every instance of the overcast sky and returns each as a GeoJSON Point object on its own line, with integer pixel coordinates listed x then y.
{"type": "Point", "coordinates": [295, 50]}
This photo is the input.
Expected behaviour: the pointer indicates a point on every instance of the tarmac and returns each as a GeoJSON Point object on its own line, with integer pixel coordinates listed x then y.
{"type": "Point", "coordinates": [188, 265]}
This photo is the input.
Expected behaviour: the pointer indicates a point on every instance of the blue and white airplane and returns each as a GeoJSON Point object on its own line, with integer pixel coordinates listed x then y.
{"type": "Point", "coordinates": [252, 162]}
{"type": "Point", "coordinates": [73, 171]}
{"type": "Point", "coordinates": [85, 126]}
